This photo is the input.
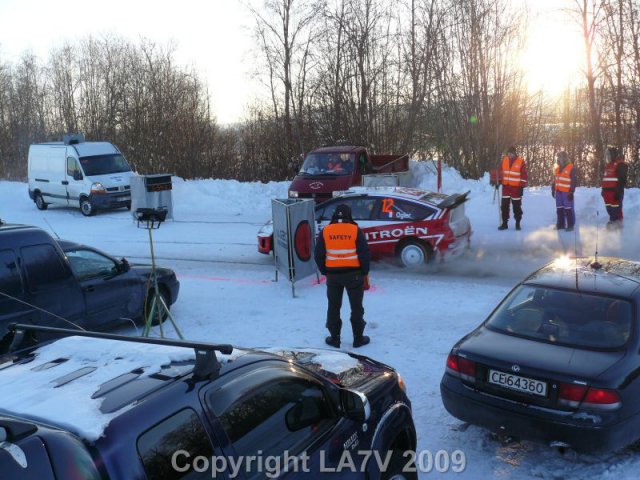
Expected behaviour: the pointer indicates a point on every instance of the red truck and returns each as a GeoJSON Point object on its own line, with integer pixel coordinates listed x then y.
{"type": "Point", "coordinates": [335, 168]}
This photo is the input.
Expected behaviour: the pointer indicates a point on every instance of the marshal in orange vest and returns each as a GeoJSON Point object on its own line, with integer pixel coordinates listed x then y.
{"type": "Point", "coordinates": [340, 241]}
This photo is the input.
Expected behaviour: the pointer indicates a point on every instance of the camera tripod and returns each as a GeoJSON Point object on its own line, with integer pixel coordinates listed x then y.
{"type": "Point", "coordinates": [151, 219]}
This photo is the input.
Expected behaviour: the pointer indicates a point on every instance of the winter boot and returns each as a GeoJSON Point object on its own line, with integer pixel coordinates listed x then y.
{"type": "Point", "coordinates": [504, 226]}
{"type": "Point", "coordinates": [333, 341]}
{"type": "Point", "coordinates": [360, 341]}
{"type": "Point", "coordinates": [518, 225]}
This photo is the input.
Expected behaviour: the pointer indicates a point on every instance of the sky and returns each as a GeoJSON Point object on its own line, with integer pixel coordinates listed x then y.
{"type": "Point", "coordinates": [211, 35]}
{"type": "Point", "coordinates": [227, 295]}
{"type": "Point", "coordinates": [214, 36]}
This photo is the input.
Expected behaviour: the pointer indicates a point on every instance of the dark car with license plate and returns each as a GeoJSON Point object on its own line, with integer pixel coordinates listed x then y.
{"type": "Point", "coordinates": [103, 406]}
{"type": "Point", "coordinates": [46, 282]}
{"type": "Point", "coordinates": [558, 361]}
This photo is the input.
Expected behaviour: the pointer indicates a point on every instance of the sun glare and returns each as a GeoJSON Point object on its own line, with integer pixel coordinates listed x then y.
{"type": "Point", "coordinates": [553, 59]}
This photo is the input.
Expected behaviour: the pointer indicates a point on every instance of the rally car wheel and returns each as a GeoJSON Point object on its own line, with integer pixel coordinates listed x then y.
{"type": "Point", "coordinates": [413, 254]}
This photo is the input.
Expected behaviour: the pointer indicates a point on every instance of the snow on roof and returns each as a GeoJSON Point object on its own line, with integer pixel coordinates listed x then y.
{"type": "Point", "coordinates": [401, 192]}
{"type": "Point", "coordinates": [331, 361]}
{"type": "Point", "coordinates": [33, 393]}
{"type": "Point", "coordinates": [88, 149]}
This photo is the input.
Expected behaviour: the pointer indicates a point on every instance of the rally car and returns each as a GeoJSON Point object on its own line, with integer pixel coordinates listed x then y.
{"type": "Point", "coordinates": [414, 226]}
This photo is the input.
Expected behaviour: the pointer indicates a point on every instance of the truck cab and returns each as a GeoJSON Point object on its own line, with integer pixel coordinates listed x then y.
{"type": "Point", "coordinates": [334, 168]}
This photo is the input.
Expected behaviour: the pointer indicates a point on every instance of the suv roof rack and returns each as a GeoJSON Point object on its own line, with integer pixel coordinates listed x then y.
{"type": "Point", "coordinates": [207, 363]}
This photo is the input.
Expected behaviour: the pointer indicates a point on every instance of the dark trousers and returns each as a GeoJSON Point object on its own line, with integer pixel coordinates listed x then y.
{"type": "Point", "coordinates": [353, 282]}
{"type": "Point", "coordinates": [517, 208]}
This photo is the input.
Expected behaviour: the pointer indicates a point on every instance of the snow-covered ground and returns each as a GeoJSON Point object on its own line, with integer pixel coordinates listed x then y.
{"type": "Point", "coordinates": [228, 293]}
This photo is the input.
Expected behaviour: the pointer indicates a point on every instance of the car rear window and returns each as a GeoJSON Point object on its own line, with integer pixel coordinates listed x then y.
{"type": "Point", "coordinates": [565, 317]}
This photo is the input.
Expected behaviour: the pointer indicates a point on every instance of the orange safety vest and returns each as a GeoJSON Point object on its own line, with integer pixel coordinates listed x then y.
{"type": "Point", "coordinates": [511, 175]}
{"type": "Point", "coordinates": [340, 241]}
{"type": "Point", "coordinates": [563, 178]}
{"type": "Point", "coordinates": [610, 179]}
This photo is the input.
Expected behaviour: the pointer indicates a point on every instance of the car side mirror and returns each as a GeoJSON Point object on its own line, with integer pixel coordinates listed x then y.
{"type": "Point", "coordinates": [77, 175]}
{"type": "Point", "coordinates": [124, 265]}
{"type": "Point", "coordinates": [305, 413]}
{"type": "Point", "coordinates": [355, 405]}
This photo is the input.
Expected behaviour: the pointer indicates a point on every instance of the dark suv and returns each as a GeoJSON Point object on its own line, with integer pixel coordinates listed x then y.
{"type": "Point", "coordinates": [115, 407]}
{"type": "Point", "coordinates": [43, 281]}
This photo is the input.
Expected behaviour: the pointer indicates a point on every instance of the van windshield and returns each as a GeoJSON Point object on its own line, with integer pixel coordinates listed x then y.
{"type": "Point", "coordinates": [565, 317]}
{"type": "Point", "coordinates": [104, 164]}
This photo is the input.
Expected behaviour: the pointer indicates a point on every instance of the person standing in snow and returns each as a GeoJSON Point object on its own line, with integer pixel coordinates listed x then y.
{"type": "Point", "coordinates": [563, 188]}
{"type": "Point", "coordinates": [613, 183]}
{"type": "Point", "coordinates": [513, 174]}
{"type": "Point", "coordinates": [342, 254]}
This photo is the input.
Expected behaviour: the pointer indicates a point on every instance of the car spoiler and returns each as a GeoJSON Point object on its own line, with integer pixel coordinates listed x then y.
{"type": "Point", "coordinates": [452, 201]}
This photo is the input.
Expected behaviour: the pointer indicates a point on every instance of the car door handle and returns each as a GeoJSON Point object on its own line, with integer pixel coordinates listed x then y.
{"type": "Point", "coordinates": [65, 182]}
{"type": "Point", "coordinates": [90, 288]}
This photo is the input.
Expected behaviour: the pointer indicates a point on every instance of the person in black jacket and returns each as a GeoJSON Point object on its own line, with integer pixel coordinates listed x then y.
{"type": "Point", "coordinates": [342, 254]}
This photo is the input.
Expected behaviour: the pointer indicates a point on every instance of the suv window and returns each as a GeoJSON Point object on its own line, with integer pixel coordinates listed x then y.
{"type": "Point", "coordinates": [10, 282]}
{"type": "Point", "coordinates": [395, 209]}
{"type": "Point", "coordinates": [181, 431]}
{"type": "Point", "coordinates": [560, 316]}
{"type": "Point", "coordinates": [43, 266]}
{"type": "Point", "coordinates": [282, 415]}
{"type": "Point", "coordinates": [89, 264]}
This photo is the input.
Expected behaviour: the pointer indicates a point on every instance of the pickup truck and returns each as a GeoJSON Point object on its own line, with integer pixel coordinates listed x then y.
{"type": "Point", "coordinates": [329, 169]}
{"type": "Point", "coordinates": [48, 282]}
{"type": "Point", "coordinates": [97, 406]}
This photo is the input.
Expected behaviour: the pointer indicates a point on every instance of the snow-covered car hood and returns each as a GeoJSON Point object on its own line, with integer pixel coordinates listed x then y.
{"type": "Point", "coordinates": [339, 367]}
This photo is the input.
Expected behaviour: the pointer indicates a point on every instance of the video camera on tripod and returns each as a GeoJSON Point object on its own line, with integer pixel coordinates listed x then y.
{"type": "Point", "coordinates": [151, 217]}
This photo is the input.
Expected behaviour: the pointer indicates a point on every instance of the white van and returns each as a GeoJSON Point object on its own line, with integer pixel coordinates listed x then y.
{"type": "Point", "coordinates": [75, 173]}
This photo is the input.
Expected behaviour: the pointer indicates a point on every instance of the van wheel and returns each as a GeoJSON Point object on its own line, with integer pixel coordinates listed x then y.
{"type": "Point", "coordinates": [413, 254]}
{"type": "Point", "coordinates": [86, 208]}
{"type": "Point", "coordinates": [40, 202]}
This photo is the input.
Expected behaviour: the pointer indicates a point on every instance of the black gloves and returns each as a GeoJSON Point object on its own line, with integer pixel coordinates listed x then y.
{"type": "Point", "coordinates": [617, 195]}
{"type": "Point", "coordinates": [570, 196]}
{"type": "Point", "coordinates": [553, 192]}
{"type": "Point", "coordinates": [521, 191]}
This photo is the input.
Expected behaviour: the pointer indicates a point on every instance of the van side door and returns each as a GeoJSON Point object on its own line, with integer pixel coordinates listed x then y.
{"type": "Point", "coordinates": [75, 181]}
{"type": "Point", "coordinates": [52, 161]}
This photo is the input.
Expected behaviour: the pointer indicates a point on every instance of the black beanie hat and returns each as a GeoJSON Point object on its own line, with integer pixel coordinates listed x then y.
{"type": "Point", "coordinates": [343, 212]}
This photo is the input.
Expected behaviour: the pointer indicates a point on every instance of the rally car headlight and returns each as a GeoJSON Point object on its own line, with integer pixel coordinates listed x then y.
{"type": "Point", "coordinates": [293, 194]}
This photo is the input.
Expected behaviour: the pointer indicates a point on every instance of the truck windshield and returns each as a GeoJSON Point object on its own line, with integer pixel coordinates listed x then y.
{"type": "Point", "coordinates": [565, 317]}
{"type": "Point", "coordinates": [328, 164]}
{"type": "Point", "coordinates": [104, 164]}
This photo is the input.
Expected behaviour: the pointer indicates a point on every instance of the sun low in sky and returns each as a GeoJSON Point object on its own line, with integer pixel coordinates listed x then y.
{"type": "Point", "coordinates": [554, 55]}
{"type": "Point", "coordinates": [213, 37]}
